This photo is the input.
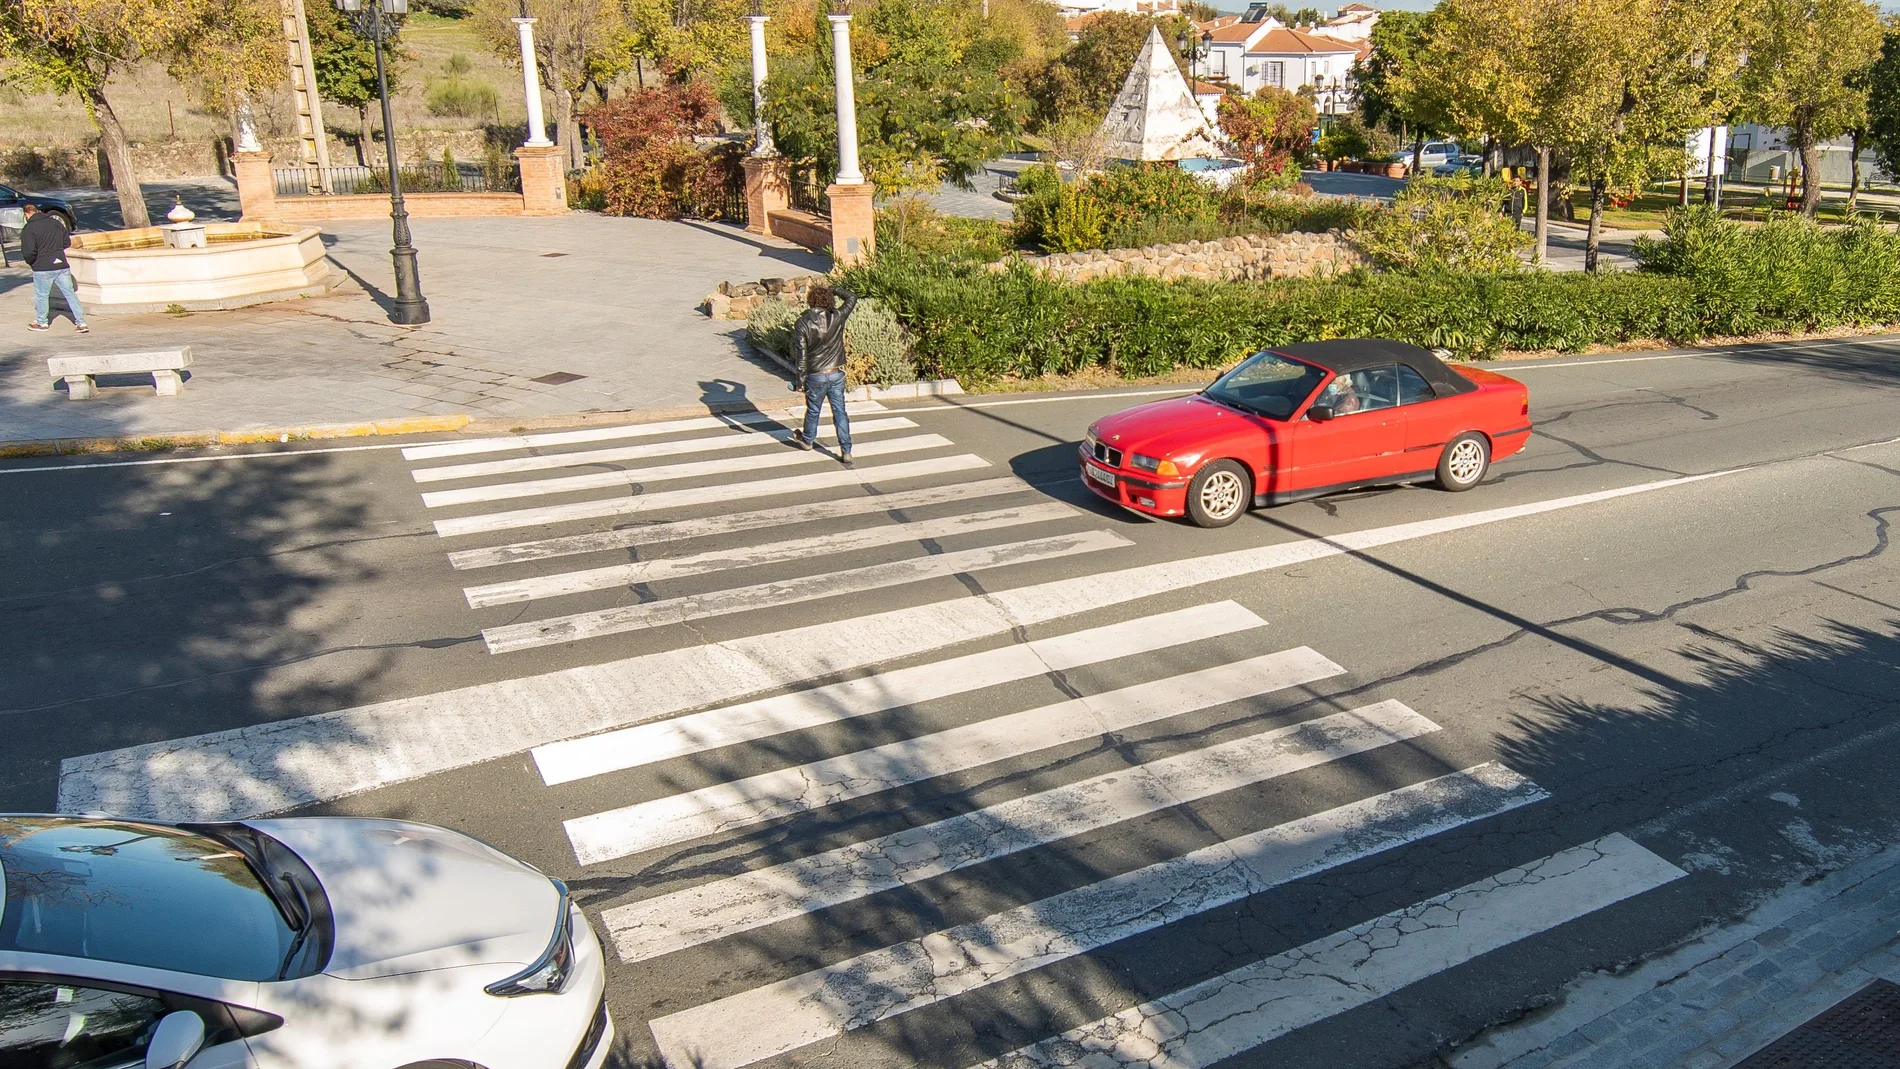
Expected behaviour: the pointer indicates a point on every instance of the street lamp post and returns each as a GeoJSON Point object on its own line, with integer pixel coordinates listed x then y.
{"type": "Point", "coordinates": [372, 20]}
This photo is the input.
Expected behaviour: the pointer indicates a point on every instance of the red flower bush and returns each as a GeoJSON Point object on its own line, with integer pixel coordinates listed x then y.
{"type": "Point", "coordinates": [650, 166]}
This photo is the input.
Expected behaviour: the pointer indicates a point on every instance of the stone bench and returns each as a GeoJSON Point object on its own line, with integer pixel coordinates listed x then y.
{"type": "Point", "coordinates": [78, 371]}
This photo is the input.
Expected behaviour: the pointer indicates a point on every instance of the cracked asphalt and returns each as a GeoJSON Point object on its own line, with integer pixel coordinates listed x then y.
{"type": "Point", "coordinates": [1711, 670]}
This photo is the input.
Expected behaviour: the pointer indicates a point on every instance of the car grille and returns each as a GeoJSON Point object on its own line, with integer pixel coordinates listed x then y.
{"type": "Point", "coordinates": [596, 1029]}
{"type": "Point", "coordinates": [1107, 455]}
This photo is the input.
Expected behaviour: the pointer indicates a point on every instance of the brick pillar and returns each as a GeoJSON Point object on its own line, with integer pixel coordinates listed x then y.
{"type": "Point", "coordinates": [853, 222]}
{"type": "Point", "coordinates": [768, 189]}
{"type": "Point", "coordinates": [543, 179]}
{"type": "Point", "coordinates": [257, 191]}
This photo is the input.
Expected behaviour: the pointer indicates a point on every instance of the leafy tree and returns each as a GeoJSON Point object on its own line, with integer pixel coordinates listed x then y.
{"type": "Point", "coordinates": [1390, 95]}
{"type": "Point", "coordinates": [1804, 73]}
{"type": "Point", "coordinates": [346, 65]}
{"type": "Point", "coordinates": [928, 108]}
{"type": "Point", "coordinates": [1085, 79]}
{"type": "Point", "coordinates": [1883, 100]}
{"type": "Point", "coordinates": [75, 47]}
{"type": "Point", "coordinates": [1269, 130]}
{"type": "Point", "coordinates": [578, 43]}
{"type": "Point", "coordinates": [1444, 224]}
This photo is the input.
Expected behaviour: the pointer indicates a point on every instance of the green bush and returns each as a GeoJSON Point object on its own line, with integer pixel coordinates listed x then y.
{"type": "Point", "coordinates": [877, 348]}
{"type": "Point", "coordinates": [1130, 207]}
{"type": "Point", "coordinates": [462, 98]}
{"type": "Point", "coordinates": [1445, 224]}
{"type": "Point", "coordinates": [980, 326]}
{"type": "Point", "coordinates": [914, 224]}
{"type": "Point", "coordinates": [1786, 274]}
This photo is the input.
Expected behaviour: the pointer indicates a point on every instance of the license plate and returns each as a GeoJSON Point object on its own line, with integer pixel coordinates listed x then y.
{"type": "Point", "coordinates": [1106, 478]}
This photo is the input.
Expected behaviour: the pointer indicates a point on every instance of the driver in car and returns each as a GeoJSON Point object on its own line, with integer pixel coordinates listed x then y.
{"type": "Point", "coordinates": [1340, 395]}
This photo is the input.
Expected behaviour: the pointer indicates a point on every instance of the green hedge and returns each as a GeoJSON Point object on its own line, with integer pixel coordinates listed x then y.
{"type": "Point", "coordinates": [1707, 278]}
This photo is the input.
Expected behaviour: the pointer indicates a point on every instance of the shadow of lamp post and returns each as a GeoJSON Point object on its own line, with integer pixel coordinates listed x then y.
{"type": "Point", "coordinates": [372, 21]}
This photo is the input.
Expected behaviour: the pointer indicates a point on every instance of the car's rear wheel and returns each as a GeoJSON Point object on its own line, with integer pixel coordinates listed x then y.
{"type": "Point", "coordinates": [72, 225]}
{"type": "Point", "coordinates": [1464, 462]}
{"type": "Point", "coordinates": [1219, 494]}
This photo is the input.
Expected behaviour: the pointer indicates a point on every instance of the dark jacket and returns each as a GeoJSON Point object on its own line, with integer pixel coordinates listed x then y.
{"type": "Point", "coordinates": [43, 243]}
{"type": "Point", "coordinates": [818, 338]}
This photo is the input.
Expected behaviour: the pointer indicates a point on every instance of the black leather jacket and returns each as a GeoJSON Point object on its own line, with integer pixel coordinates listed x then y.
{"type": "Point", "coordinates": [818, 338]}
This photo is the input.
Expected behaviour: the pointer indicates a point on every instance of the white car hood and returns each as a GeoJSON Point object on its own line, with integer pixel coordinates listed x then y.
{"type": "Point", "coordinates": [410, 898]}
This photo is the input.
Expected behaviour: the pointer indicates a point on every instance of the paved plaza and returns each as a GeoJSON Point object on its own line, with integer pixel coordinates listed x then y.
{"type": "Point", "coordinates": [531, 317]}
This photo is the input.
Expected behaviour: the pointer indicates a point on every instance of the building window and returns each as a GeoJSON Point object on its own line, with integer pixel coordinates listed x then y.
{"type": "Point", "coordinates": [1276, 74]}
{"type": "Point", "coordinates": [1217, 63]}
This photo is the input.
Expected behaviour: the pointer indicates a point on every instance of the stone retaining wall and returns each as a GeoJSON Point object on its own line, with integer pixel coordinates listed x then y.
{"type": "Point", "coordinates": [736, 300]}
{"type": "Point", "coordinates": [1252, 256]}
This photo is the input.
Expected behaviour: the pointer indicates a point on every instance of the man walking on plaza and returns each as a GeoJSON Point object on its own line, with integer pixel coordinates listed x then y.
{"type": "Point", "coordinates": [818, 346]}
{"type": "Point", "coordinates": [43, 243]}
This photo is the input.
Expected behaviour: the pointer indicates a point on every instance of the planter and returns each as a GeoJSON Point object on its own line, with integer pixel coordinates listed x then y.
{"type": "Point", "coordinates": [1395, 170]}
{"type": "Point", "coordinates": [134, 271]}
{"type": "Point", "coordinates": [1323, 165]}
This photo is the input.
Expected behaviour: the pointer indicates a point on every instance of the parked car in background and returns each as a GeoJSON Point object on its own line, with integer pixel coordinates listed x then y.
{"type": "Point", "coordinates": [1463, 166]}
{"type": "Point", "coordinates": [1434, 154]}
{"type": "Point", "coordinates": [1303, 420]}
{"type": "Point", "coordinates": [1217, 172]}
{"type": "Point", "coordinates": [307, 943]}
{"type": "Point", "coordinates": [15, 199]}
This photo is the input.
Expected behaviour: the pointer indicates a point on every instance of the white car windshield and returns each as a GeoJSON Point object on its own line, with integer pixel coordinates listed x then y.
{"type": "Point", "coordinates": [138, 894]}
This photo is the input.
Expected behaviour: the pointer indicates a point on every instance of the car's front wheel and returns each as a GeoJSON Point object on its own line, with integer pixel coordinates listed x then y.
{"type": "Point", "coordinates": [1464, 462]}
{"type": "Point", "coordinates": [1219, 493]}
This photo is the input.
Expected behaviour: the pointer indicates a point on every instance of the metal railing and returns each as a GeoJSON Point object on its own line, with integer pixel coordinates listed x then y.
{"type": "Point", "coordinates": [491, 177]}
{"type": "Point", "coordinates": [808, 190]}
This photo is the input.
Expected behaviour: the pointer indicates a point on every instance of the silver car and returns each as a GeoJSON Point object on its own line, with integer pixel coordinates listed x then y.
{"type": "Point", "coordinates": [310, 943]}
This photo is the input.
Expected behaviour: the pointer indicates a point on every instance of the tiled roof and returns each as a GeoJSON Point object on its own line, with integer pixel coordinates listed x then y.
{"type": "Point", "coordinates": [1284, 42]}
{"type": "Point", "coordinates": [1202, 89]}
{"type": "Point", "coordinates": [1237, 32]}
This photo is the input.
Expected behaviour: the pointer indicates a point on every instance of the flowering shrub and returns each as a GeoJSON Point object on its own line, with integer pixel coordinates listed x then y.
{"type": "Point", "coordinates": [649, 164]}
{"type": "Point", "coordinates": [1269, 130]}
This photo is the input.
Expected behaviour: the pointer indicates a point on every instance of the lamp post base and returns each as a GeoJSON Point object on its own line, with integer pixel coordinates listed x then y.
{"type": "Point", "coordinates": [410, 309]}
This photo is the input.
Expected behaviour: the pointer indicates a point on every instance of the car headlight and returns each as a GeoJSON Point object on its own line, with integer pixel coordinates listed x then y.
{"type": "Point", "coordinates": [1154, 464]}
{"type": "Point", "coordinates": [547, 974]}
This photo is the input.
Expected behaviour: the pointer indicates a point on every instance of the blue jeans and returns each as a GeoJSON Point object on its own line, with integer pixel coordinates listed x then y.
{"type": "Point", "coordinates": [818, 389]}
{"type": "Point", "coordinates": [43, 283]}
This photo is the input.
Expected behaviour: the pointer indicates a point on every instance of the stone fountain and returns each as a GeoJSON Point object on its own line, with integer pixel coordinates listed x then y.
{"type": "Point", "coordinates": [200, 266]}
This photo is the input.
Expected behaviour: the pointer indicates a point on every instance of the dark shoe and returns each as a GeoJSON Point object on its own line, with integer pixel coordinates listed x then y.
{"type": "Point", "coordinates": [799, 440]}
{"type": "Point", "coordinates": [845, 459]}
{"type": "Point", "coordinates": [81, 328]}
{"type": "Point", "coordinates": [41, 327]}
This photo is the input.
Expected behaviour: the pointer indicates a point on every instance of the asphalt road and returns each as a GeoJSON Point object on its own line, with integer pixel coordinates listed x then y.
{"type": "Point", "coordinates": [1389, 767]}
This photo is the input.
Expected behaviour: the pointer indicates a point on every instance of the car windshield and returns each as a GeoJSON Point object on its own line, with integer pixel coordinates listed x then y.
{"type": "Point", "coordinates": [137, 894]}
{"type": "Point", "coordinates": [1267, 385]}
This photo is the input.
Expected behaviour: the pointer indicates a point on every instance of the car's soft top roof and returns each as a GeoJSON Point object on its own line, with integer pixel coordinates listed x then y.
{"type": "Point", "coordinates": [1357, 354]}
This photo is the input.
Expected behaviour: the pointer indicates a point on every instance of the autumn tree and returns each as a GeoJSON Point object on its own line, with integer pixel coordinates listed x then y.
{"type": "Point", "coordinates": [75, 47]}
{"type": "Point", "coordinates": [578, 44]}
{"type": "Point", "coordinates": [1084, 79]}
{"type": "Point", "coordinates": [1806, 73]}
{"type": "Point", "coordinates": [1268, 130]}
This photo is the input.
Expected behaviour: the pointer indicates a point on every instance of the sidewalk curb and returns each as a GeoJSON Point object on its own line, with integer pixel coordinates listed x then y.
{"type": "Point", "coordinates": [48, 447]}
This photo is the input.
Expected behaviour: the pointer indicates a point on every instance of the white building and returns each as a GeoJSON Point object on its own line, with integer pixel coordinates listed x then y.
{"type": "Point", "coordinates": [1761, 154]}
{"type": "Point", "coordinates": [1353, 22]}
{"type": "Point", "coordinates": [1253, 50]}
{"type": "Point", "coordinates": [1076, 9]}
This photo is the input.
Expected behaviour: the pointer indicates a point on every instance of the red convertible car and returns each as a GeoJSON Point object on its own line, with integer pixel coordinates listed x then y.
{"type": "Point", "coordinates": [1304, 420]}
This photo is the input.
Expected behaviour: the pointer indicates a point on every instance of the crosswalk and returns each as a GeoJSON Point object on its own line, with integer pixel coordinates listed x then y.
{"type": "Point", "coordinates": [656, 468]}
{"type": "Point", "coordinates": [915, 489]}
{"type": "Point", "coordinates": [790, 752]}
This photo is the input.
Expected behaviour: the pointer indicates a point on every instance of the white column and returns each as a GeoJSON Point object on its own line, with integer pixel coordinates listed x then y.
{"type": "Point", "coordinates": [531, 84]}
{"type": "Point", "coordinates": [848, 173]}
{"type": "Point", "coordinates": [246, 125]}
{"type": "Point", "coordinates": [761, 133]}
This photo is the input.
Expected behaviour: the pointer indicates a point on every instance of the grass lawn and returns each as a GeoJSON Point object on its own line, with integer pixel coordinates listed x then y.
{"type": "Point", "coordinates": [1650, 210]}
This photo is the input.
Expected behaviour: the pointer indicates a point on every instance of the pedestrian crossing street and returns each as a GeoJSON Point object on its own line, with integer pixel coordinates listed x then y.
{"type": "Point", "coordinates": [787, 764]}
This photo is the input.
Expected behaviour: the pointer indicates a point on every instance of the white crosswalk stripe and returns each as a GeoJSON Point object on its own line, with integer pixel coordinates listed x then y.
{"type": "Point", "coordinates": [594, 755]}
{"type": "Point", "coordinates": [832, 584]}
{"type": "Point", "coordinates": [604, 480]}
{"type": "Point", "coordinates": [714, 494]}
{"type": "Point", "coordinates": [732, 523]}
{"type": "Point", "coordinates": [682, 817]}
{"type": "Point", "coordinates": [1240, 1010]}
{"type": "Point", "coordinates": [741, 438]}
{"type": "Point", "coordinates": [619, 575]}
{"type": "Point", "coordinates": [551, 439]}
{"type": "Point", "coordinates": [755, 899]}
{"type": "Point", "coordinates": [783, 1016]}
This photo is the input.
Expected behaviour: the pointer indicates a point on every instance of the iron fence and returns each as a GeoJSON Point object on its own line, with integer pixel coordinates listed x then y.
{"type": "Point", "coordinates": [808, 190]}
{"type": "Point", "coordinates": [491, 176]}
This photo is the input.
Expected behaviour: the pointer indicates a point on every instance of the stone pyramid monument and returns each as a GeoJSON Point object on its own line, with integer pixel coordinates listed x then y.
{"type": "Point", "coordinates": [1155, 117]}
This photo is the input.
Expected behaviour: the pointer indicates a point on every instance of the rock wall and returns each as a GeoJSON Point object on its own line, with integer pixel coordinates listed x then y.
{"type": "Point", "coordinates": [736, 300]}
{"type": "Point", "coordinates": [1251, 256]}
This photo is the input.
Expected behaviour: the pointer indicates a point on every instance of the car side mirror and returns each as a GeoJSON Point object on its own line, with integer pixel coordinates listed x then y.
{"type": "Point", "coordinates": [1320, 413]}
{"type": "Point", "coordinates": [179, 1037]}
